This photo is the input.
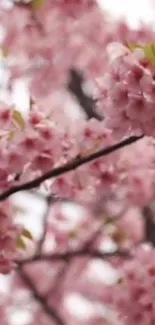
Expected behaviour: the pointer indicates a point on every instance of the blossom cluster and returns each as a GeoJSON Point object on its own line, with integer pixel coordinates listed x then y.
{"type": "Point", "coordinates": [126, 91]}
{"type": "Point", "coordinates": [48, 144]}
{"type": "Point", "coordinates": [35, 48]}
{"type": "Point", "coordinates": [133, 295]}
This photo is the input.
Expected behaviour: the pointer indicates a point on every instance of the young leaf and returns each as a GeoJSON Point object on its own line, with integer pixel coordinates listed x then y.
{"type": "Point", "coordinates": [26, 233]}
{"type": "Point", "coordinates": [149, 51]}
{"type": "Point", "coordinates": [92, 150]}
{"type": "Point", "coordinates": [11, 135]}
{"type": "Point", "coordinates": [133, 46]}
{"type": "Point", "coordinates": [18, 118]}
{"type": "Point", "coordinates": [36, 4]}
{"type": "Point", "coordinates": [17, 208]}
{"type": "Point", "coordinates": [20, 243]}
{"type": "Point", "coordinates": [4, 52]}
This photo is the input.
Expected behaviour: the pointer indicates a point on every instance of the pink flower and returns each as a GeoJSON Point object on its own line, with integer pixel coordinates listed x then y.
{"type": "Point", "coordinates": [128, 94]}
{"type": "Point", "coordinates": [132, 296]}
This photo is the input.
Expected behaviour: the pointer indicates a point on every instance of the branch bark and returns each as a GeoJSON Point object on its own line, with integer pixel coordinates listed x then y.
{"type": "Point", "coordinates": [149, 225]}
{"type": "Point", "coordinates": [86, 102]}
{"type": "Point", "coordinates": [48, 309]}
{"type": "Point", "coordinates": [75, 163]}
{"type": "Point", "coordinates": [66, 256]}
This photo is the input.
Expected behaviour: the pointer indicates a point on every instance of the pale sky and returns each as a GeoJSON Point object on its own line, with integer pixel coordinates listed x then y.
{"type": "Point", "coordinates": [133, 10]}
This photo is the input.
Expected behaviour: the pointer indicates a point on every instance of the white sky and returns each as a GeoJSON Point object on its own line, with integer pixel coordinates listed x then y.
{"type": "Point", "coordinates": [133, 10]}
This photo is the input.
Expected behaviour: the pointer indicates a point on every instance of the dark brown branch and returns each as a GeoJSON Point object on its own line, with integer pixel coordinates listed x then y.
{"type": "Point", "coordinates": [48, 309]}
{"type": "Point", "coordinates": [68, 262]}
{"type": "Point", "coordinates": [66, 256]}
{"type": "Point", "coordinates": [75, 163]}
{"type": "Point", "coordinates": [56, 288]}
{"type": "Point", "coordinates": [86, 102]}
{"type": "Point", "coordinates": [149, 225]}
{"type": "Point", "coordinates": [54, 198]}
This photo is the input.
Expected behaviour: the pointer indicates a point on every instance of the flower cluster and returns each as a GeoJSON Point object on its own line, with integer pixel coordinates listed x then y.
{"type": "Point", "coordinates": [35, 48]}
{"type": "Point", "coordinates": [47, 144]}
{"type": "Point", "coordinates": [133, 295]}
{"type": "Point", "coordinates": [126, 91]}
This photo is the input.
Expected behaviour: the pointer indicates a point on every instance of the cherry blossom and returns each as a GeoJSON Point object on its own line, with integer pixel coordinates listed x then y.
{"type": "Point", "coordinates": [133, 295]}
{"type": "Point", "coordinates": [125, 92]}
{"type": "Point", "coordinates": [85, 149]}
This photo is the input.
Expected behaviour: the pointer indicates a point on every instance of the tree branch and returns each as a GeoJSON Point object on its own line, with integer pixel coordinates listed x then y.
{"type": "Point", "coordinates": [86, 102]}
{"type": "Point", "coordinates": [149, 225]}
{"type": "Point", "coordinates": [75, 163]}
{"type": "Point", "coordinates": [68, 262]}
{"type": "Point", "coordinates": [66, 256]}
{"type": "Point", "coordinates": [48, 309]}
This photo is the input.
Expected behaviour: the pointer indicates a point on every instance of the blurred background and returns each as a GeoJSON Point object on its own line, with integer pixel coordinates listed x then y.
{"type": "Point", "coordinates": [31, 208]}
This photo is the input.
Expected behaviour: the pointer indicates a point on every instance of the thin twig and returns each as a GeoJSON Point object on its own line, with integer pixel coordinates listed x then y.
{"type": "Point", "coordinates": [65, 256]}
{"type": "Point", "coordinates": [68, 263]}
{"type": "Point", "coordinates": [75, 163]}
{"type": "Point", "coordinates": [48, 309]}
{"type": "Point", "coordinates": [56, 287]}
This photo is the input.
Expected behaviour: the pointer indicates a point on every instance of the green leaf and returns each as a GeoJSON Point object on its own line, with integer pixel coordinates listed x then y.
{"type": "Point", "coordinates": [20, 243]}
{"type": "Point", "coordinates": [5, 52]}
{"type": "Point", "coordinates": [149, 51]}
{"type": "Point", "coordinates": [18, 209]}
{"type": "Point", "coordinates": [18, 118]}
{"type": "Point", "coordinates": [11, 135]}
{"type": "Point", "coordinates": [26, 233]}
{"type": "Point", "coordinates": [36, 4]}
{"type": "Point", "coordinates": [132, 46]}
